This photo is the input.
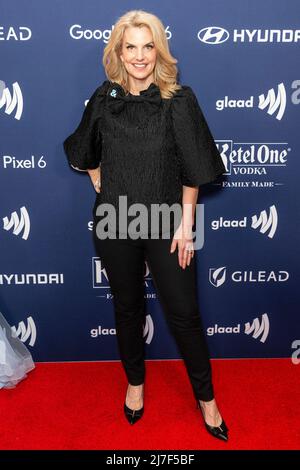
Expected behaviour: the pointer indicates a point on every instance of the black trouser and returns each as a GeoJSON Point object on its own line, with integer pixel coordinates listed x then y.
{"type": "Point", "coordinates": [124, 262]}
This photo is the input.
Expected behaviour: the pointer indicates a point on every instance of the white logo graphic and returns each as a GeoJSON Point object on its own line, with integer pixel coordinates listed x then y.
{"type": "Point", "coordinates": [148, 329]}
{"type": "Point", "coordinates": [31, 278]}
{"type": "Point", "coordinates": [11, 102]}
{"type": "Point", "coordinates": [18, 223]}
{"type": "Point", "coordinates": [265, 222]}
{"type": "Point", "coordinates": [296, 353]}
{"type": "Point", "coordinates": [25, 332]}
{"type": "Point", "coordinates": [213, 35]}
{"type": "Point", "coordinates": [253, 159]}
{"type": "Point", "coordinates": [274, 103]}
{"type": "Point", "coordinates": [258, 329]}
{"type": "Point", "coordinates": [100, 278]}
{"type": "Point", "coordinates": [95, 332]}
{"type": "Point", "coordinates": [13, 33]}
{"type": "Point", "coordinates": [76, 32]}
{"type": "Point", "coordinates": [10, 161]}
{"type": "Point", "coordinates": [217, 35]}
{"type": "Point", "coordinates": [217, 276]}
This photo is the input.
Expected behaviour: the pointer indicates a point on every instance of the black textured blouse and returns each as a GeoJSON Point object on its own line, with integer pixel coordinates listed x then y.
{"type": "Point", "coordinates": [148, 147]}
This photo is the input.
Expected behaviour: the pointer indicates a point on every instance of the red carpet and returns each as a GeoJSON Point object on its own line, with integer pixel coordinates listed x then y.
{"type": "Point", "coordinates": [79, 406]}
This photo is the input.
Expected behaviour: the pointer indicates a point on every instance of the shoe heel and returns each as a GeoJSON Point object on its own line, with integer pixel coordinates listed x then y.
{"type": "Point", "coordinates": [220, 432]}
{"type": "Point", "coordinates": [133, 416]}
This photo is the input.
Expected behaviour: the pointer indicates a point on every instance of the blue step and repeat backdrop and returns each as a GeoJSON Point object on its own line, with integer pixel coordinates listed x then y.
{"type": "Point", "coordinates": [242, 60]}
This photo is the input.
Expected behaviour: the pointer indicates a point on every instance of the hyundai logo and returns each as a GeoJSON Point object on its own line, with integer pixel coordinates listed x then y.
{"type": "Point", "coordinates": [213, 35]}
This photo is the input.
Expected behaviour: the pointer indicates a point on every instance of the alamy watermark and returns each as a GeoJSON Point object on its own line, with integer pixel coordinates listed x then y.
{"type": "Point", "coordinates": [161, 226]}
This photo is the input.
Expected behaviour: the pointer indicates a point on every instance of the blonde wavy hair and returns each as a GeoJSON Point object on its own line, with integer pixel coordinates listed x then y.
{"type": "Point", "coordinates": [165, 70]}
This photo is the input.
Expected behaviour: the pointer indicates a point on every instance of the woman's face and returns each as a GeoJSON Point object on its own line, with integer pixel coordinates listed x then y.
{"type": "Point", "coordinates": [138, 52]}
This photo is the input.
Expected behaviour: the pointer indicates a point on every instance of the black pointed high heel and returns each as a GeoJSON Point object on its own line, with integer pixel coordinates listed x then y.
{"type": "Point", "coordinates": [220, 432]}
{"type": "Point", "coordinates": [133, 415]}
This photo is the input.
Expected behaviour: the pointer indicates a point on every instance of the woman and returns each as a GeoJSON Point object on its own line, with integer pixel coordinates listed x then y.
{"type": "Point", "coordinates": [143, 138]}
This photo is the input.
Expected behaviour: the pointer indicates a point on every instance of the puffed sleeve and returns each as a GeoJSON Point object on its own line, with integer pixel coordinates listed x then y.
{"type": "Point", "coordinates": [83, 146]}
{"type": "Point", "coordinates": [197, 153]}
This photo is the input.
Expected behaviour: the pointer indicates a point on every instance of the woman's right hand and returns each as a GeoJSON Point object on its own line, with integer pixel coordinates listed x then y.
{"type": "Point", "coordinates": [95, 176]}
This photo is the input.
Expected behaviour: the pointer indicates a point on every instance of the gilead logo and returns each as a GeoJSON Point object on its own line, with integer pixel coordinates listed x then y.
{"type": "Point", "coordinates": [217, 276]}
{"type": "Point", "coordinates": [12, 33]}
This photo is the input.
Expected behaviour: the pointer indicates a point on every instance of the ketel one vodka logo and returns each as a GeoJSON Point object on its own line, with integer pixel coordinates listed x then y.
{"type": "Point", "coordinates": [100, 278]}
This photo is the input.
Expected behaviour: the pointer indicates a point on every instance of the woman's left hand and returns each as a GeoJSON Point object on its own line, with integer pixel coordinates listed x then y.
{"type": "Point", "coordinates": [184, 240]}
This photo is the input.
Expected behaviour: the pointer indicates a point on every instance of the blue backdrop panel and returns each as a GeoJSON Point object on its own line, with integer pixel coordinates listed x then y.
{"type": "Point", "coordinates": [241, 59]}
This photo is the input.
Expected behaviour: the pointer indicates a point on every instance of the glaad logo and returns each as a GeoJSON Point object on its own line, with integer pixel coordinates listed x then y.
{"type": "Point", "coordinates": [11, 103]}
{"type": "Point", "coordinates": [148, 329]}
{"type": "Point", "coordinates": [217, 35]}
{"type": "Point", "coordinates": [266, 223]}
{"type": "Point", "coordinates": [25, 332]}
{"type": "Point", "coordinates": [276, 104]}
{"type": "Point", "coordinates": [95, 332]}
{"type": "Point", "coordinates": [18, 224]}
{"type": "Point", "coordinates": [213, 35]}
{"type": "Point", "coordinates": [258, 329]}
{"type": "Point", "coordinates": [263, 222]}
{"type": "Point", "coordinates": [217, 276]}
